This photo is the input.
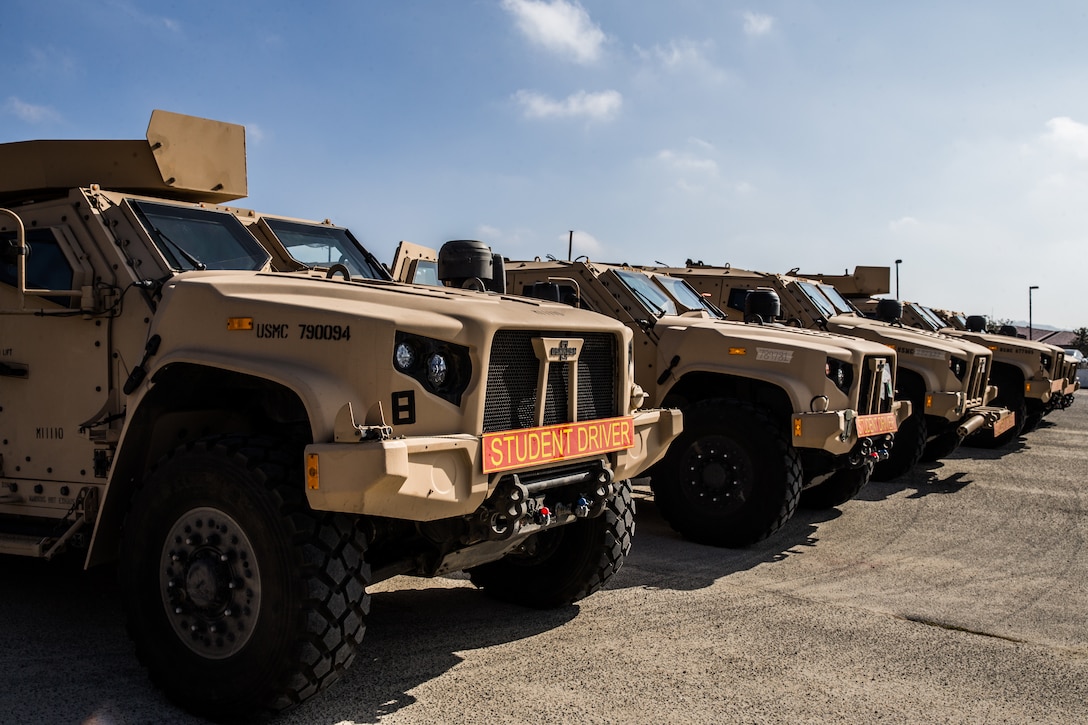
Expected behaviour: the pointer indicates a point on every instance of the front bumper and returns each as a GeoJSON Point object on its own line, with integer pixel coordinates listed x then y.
{"type": "Point", "coordinates": [953, 407]}
{"type": "Point", "coordinates": [1042, 389]}
{"type": "Point", "coordinates": [427, 478]}
{"type": "Point", "coordinates": [838, 431]}
{"type": "Point", "coordinates": [991, 418]}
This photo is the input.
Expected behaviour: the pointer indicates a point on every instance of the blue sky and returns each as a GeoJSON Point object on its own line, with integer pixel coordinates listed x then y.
{"type": "Point", "coordinates": [770, 135]}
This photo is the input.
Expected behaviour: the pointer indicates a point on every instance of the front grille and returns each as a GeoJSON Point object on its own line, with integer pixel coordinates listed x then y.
{"type": "Point", "coordinates": [872, 397]}
{"type": "Point", "coordinates": [511, 401]}
{"type": "Point", "coordinates": [976, 381]}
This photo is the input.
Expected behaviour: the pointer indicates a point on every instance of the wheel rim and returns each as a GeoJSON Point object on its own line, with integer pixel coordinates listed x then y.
{"type": "Point", "coordinates": [210, 583]}
{"type": "Point", "coordinates": [717, 474]}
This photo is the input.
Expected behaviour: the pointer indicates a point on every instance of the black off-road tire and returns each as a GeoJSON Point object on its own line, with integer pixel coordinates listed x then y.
{"type": "Point", "coordinates": [731, 478]}
{"type": "Point", "coordinates": [907, 448]}
{"type": "Point", "coordinates": [242, 601]}
{"type": "Point", "coordinates": [562, 565]}
{"type": "Point", "coordinates": [941, 447]}
{"type": "Point", "coordinates": [839, 488]}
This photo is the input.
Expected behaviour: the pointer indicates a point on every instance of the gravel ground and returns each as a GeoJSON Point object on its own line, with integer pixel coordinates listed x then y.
{"type": "Point", "coordinates": [956, 594]}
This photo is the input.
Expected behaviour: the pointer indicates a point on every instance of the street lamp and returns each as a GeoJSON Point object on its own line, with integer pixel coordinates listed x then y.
{"type": "Point", "coordinates": [897, 263]}
{"type": "Point", "coordinates": [1031, 333]}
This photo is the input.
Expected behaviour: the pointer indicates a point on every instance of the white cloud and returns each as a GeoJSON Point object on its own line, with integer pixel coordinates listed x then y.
{"type": "Point", "coordinates": [559, 26]}
{"type": "Point", "coordinates": [904, 224]}
{"type": "Point", "coordinates": [151, 20]}
{"type": "Point", "coordinates": [255, 134]}
{"type": "Point", "coordinates": [684, 56]}
{"type": "Point", "coordinates": [601, 106]}
{"type": "Point", "coordinates": [684, 162]}
{"type": "Point", "coordinates": [29, 112]}
{"type": "Point", "coordinates": [701, 143]}
{"type": "Point", "coordinates": [1067, 136]}
{"type": "Point", "coordinates": [757, 24]}
{"type": "Point", "coordinates": [583, 244]}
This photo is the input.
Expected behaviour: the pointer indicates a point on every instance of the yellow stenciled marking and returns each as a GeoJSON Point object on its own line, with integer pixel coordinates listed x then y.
{"type": "Point", "coordinates": [313, 472]}
{"type": "Point", "coordinates": [239, 323]}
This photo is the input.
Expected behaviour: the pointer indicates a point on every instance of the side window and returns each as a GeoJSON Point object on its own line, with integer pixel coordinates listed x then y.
{"type": "Point", "coordinates": [737, 296]}
{"type": "Point", "coordinates": [46, 265]}
{"type": "Point", "coordinates": [556, 292]}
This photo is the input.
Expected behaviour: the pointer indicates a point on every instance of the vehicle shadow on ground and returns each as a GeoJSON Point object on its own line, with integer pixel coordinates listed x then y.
{"type": "Point", "coordinates": [925, 479]}
{"type": "Point", "coordinates": [675, 563]}
{"type": "Point", "coordinates": [64, 632]}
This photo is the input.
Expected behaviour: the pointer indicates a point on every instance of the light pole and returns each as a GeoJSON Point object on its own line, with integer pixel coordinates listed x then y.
{"type": "Point", "coordinates": [897, 263]}
{"type": "Point", "coordinates": [1031, 333]}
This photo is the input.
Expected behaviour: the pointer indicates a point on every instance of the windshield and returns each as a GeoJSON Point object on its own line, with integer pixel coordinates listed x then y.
{"type": "Point", "coordinates": [813, 294]}
{"type": "Point", "coordinates": [192, 238]}
{"type": "Point", "coordinates": [686, 295]}
{"type": "Point", "coordinates": [929, 316]}
{"type": "Point", "coordinates": [652, 297]}
{"type": "Point", "coordinates": [842, 305]}
{"type": "Point", "coordinates": [952, 320]}
{"type": "Point", "coordinates": [319, 245]}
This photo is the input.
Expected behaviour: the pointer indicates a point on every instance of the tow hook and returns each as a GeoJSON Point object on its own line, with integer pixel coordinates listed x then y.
{"type": "Point", "coordinates": [867, 452]}
{"type": "Point", "coordinates": [513, 504]}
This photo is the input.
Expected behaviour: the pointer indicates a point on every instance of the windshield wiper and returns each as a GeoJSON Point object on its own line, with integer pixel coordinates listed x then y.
{"type": "Point", "coordinates": [659, 312]}
{"type": "Point", "coordinates": [196, 263]}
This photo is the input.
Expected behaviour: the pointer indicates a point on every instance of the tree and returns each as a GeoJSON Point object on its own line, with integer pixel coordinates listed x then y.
{"type": "Point", "coordinates": [994, 326]}
{"type": "Point", "coordinates": [1081, 340]}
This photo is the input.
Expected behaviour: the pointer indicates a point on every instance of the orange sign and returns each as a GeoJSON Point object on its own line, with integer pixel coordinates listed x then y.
{"type": "Point", "coordinates": [532, 446]}
{"type": "Point", "coordinates": [1002, 425]}
{"type": "Point", "coordinates": [873, 425]}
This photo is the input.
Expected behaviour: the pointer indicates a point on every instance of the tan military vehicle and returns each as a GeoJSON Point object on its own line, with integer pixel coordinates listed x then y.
{"type": "Point", "coordinates": [945, 379]}
{"type": "Point", "coordinates": [1031, 377]}
{"type": "Point", "coordinates": [1066, 370]}
{"type": "Point", "coordinates": [253, 448]}
{"type": "Point", "coordinates": [768, 411]}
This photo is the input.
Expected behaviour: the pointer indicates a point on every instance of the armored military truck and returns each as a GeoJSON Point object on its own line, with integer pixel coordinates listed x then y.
{"type": "Point", "coordinates": [1073, 382]}
{"type": "Point", "coordinates": [252, 448]}
{"type": "Point", "coordinates": [944, 378]}
{"type": "Point", "coordinates": [1030, 376]}
{"type": "Point", "coordinates": [768, 411]}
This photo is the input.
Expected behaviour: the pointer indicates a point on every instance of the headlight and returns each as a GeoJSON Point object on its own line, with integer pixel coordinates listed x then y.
{"type": "Point", "coordinates": [1045, 360]}
{"type": "Point", "coordinates": [958, 366]}
{"type": "Point", "coordinates": [404, 357]}
{"type": "Point", "coordinates": [443, 368]}
{"type": "Point", "coordinates": [840, 373]}
{"type": "Point", "coordinates": [437, 369]}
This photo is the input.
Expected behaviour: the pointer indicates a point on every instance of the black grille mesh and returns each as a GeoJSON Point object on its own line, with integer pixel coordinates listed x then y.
{"type": "Point", "coordinates": [512, 381]}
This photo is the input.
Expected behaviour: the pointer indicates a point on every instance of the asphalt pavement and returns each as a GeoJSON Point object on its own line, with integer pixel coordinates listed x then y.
{"type": "Point", "coordinates": [956, 594]}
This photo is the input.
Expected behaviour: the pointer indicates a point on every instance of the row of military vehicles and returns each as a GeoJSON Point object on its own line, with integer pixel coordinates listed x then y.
{"type": "Point", "coordinates": [252, 418]}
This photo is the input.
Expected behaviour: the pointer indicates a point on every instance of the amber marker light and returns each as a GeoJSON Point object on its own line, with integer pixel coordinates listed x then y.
{"type": "Point", "coordinates": [738, 351]}
{"type": "Point", "coordinates": [796, 427]}
{"type": "Point", "coordinates": [239, 323]}
{"type": "Point", "coordinates": [929, 401]}
{"type": "Point", "coordinates": [313, 473]}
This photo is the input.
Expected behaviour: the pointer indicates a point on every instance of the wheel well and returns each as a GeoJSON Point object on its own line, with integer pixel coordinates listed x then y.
{"type": "Point", "coordinates": [910, 386]}
{"type": "Point", "coordinates": [189, 402]}
{"type": "Point", "coordinates": [1009, 380]}
{"type": "Point", "coordinates": [702, 386]}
